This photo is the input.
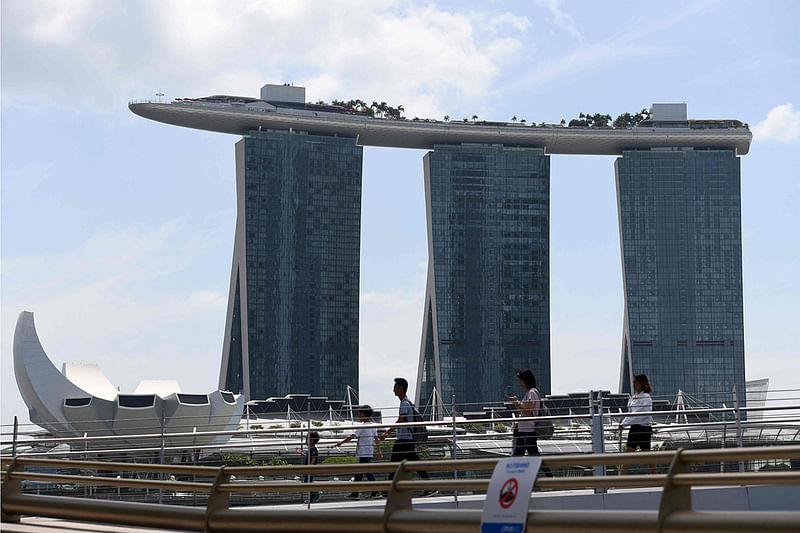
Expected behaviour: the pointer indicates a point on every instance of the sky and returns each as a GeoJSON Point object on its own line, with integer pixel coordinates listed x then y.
{"type": "Point", "coordinates": [117, 232]}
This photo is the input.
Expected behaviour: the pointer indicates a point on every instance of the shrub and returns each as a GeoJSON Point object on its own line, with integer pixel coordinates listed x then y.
{"type": "Point", "coordinates": [295, 425]}
{"type": "Point", "coordinates": [256, 426]}
{"type": "Point", "coordinates": [501, 428]}
{"type": "Point", "coordinates": [276, 426]}
{"type": "Point", "coordinates": [238, 460]}
{"type": "Point", "coordinates": [316, 423]}
{"type": "Point", "coordinates": [423, 452]}
{"type": "Point", "coordinates": [339, 460]}
{"type": "Point", "coordinates": [276, 460]}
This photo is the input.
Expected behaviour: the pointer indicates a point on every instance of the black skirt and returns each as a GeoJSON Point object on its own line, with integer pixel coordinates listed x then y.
{"type": "Point", "coordinates": [639, 436]}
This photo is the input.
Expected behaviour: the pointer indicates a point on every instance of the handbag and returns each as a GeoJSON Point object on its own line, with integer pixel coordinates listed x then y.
{"type": "Point", "coordinates": [544, 428]}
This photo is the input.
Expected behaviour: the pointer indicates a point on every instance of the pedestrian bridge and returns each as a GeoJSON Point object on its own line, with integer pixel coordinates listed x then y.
{"type": "Point", "coordinates": [676, 500]}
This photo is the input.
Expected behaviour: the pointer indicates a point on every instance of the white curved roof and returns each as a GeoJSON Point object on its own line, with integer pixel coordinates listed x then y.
{"type": "Point", "coordinates": [81, 400]}
{"type": "Point", "coordinates": [90, 378]}
{"type": "Point", "coordinates": [159, 387]}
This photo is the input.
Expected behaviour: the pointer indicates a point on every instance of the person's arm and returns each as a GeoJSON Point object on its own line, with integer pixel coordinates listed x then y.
{"type": "Point", "coordinates": [313, 459]}
{"type": "Point", "coordinates": [525, 407]}
{"type": "Point", "coordinates": [346, 439]}
{"type": "Point", "coordinates": [400, 420]}
{"type": "Point", "coordinates": [635, 405]}
{"type": "Point", "coordinates": [378, 447]}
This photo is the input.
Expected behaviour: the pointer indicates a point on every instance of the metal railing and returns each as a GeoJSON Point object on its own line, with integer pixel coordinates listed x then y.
{"type": "Point", "coordinates": [674, 514]}
{"type": "Point", "coordinates": [599, 427]}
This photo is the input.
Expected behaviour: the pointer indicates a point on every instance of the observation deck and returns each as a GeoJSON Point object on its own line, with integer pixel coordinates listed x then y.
{"type": "Point", "coordinates": [239, 118]}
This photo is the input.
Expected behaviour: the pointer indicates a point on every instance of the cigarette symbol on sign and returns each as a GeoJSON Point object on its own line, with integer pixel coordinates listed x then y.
{"type": "Point", "coordinates": [508, 493]}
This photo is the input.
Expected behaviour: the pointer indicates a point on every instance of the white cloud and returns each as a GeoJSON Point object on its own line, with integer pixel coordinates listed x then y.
{"type": "Point", "coordinates": [519, 23]}
{"type": "Point", "coordinates": [782, 124]}
{"type": "Point", "coordinates": [416, 54]}
{"type": "Point", "coordinates": [560, 18]}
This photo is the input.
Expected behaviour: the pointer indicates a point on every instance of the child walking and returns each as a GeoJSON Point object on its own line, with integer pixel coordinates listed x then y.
{"type": "Point", "coordinates": [313, 454]}
{"type": "Point", "coordinates": [365, 447]}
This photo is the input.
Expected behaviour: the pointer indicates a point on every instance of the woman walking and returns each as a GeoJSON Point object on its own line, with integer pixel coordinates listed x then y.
{"type": "Point", "coordinates": [525, 432]}
{"type": "Point", "coordinates": [641, 427]}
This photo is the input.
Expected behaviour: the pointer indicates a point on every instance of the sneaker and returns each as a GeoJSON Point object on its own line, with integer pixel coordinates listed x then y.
{"type": "Point", "coordinates": [376, 494]}
{"type": "Point", "coordinates": [352, 496]}
{"type": "Point", "coordinates": [430, 493]}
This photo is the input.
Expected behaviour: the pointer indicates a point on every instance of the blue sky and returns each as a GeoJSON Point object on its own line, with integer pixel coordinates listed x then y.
{"type": "Point", "coordinates": [117, 232]}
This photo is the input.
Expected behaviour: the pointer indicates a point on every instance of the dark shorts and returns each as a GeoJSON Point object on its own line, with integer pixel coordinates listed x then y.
{"type": "Point", "coordinates": [639, 436]}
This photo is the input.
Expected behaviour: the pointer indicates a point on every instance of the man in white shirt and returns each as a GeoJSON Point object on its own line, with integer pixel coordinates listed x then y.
{"type": "Point", "coordinates": [365, 446]}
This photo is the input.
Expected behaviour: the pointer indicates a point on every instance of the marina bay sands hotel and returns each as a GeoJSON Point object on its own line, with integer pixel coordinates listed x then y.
{"type": "Point", "coordinates": [293, 308]}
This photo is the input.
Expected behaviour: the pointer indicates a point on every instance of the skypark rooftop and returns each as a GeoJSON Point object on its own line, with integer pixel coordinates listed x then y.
{"type": "Point", "coordinates": [237, 115]}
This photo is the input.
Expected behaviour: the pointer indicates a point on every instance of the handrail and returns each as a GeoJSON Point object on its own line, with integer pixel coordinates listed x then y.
{"type": "Point", "coordinates": [399, 515]}
{"type": "Point", "coordinates": [428, 423]}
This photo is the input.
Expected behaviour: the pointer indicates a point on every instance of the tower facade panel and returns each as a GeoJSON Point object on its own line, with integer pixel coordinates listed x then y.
{"type": "Point", "coordinates": [680, 233]}
{"type": "Point", "coordinates": [292, 323]}
{"type": "Point", "coordinates": [487, 309]}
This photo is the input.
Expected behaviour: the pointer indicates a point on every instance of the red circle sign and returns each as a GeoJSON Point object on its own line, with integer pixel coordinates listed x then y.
{"type": "Point", "coordinates": [508, 493]}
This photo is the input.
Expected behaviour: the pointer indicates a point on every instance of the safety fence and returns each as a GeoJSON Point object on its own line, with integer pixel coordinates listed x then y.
{"type": "Point", "coordinates": [596, 431]}
{"type": "Point", "coordinates": [675, 511]}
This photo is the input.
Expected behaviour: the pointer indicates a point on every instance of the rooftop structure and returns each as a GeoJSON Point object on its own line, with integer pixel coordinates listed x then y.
{"type": "Point", "coordinates": [238, 115]}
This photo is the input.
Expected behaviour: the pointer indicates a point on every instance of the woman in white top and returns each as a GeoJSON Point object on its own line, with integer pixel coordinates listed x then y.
{"type": "Point", "coordinates": [525, 434]}
{"type": "Point", "coordinates": [641, 428]}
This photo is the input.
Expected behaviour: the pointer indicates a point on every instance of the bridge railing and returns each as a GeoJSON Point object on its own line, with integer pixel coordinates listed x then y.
{"type": "Point", "coordinates": [675, 511]}
{"type": "Point", "coordinates": [599, 429]}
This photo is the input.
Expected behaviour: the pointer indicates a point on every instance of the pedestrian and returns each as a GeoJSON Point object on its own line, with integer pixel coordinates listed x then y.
{"type": "Point", "coordinates": [313, 455]}
{"type": "Point", "coordinates": [525, 432]}
{"type": "Point", "coordinates": [404, 447]}
{"type": "Point", "coordinates": [366, 443]}
{"type": "Point", "coordinates": [641, 427]}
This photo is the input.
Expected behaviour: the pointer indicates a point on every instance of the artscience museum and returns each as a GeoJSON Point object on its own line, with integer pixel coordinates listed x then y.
{"type": "Point", "coordinates": [81, 401]}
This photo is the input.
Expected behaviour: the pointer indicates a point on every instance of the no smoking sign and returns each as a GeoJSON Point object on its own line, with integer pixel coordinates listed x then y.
{"type": "Point", "coordinates": [509, 493]}
{"type": "Point", "coordinates": [506, 507]}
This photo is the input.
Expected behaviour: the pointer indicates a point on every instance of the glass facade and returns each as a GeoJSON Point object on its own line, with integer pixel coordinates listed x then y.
{"type": "Point", "coordinates": [680, 229]}
{"type": "Point", "coordinates": [487, 309]}
{"type": "Point", "coordinates": [293, 311]}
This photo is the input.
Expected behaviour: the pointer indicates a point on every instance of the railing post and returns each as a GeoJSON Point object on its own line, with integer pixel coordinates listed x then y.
{"type": "Point", "coordinates": [738, 423]}
{"type": "Point", "coordinates": [11, 487]}
{"type": "Point", "coordinates": [14, 441]}
{"type": "Point", "coordinates": [598, 444]}
{"type": "Point", "coordinates": [161, 456]}
{"type": "Point", "coordinates": [674, 498]}
{"type": "Point", "coordinates": [455, 436]}
{"type": "Point", "coordinates": [217, 500]}
{"type": "Point", "coordinates": [397, 500]}
{"type": "Point", "coordinates": [724, 438]}
{"type": "Point", "coordinates": [308, 445]}
{"type": "Point", "coordinates": [85, 457]}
